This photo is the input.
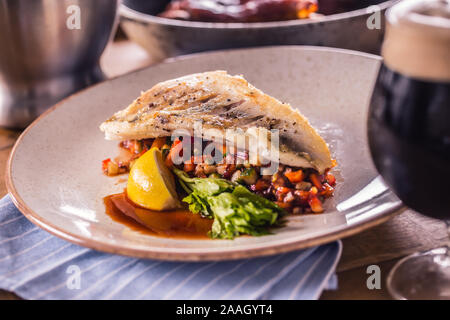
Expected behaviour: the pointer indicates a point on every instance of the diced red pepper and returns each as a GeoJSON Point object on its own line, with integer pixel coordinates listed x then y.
{"type": "Point", "coordinates": [231, 168]}
{"type": "Point", "coordinates": [260, 185]}
{"type": "Point", "coordinates": [314, 191]}
{"type": "Point", "coordinates": [301, 195]}
{"type": "Point", "coordinates": [110, 168]}
{"type": "Point", "coordinates": [289, 197]}
{"type": "Point", "coordinates": [175, 151]}
{"type": "Point", "coordinates": [315, 204]}
{"type": "Point", "coordinates": [294, 176]}
{"type": "Point", "coordinates": [134, 146]}
{"type": "Point", "coordinates": [330, 179]}
{"type": "Point", "coordinates": [284, 205]}
{"type": "Point", "coordinates": [279, 180]}
{"type": "Point", "coordinates": [189, 167]}
{"type": "Point", "coordinates": [327, 190]}
{"type": "Point", "coordinates": [105, 165]}
{"type": "Point", "coordinates": [283, 190]}
{"type": "Point", "coordinates": [315, 180]}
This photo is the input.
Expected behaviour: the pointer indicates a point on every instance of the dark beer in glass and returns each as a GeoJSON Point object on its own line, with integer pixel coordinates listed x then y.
{"type": "Point", "coordinates": [409, 132]}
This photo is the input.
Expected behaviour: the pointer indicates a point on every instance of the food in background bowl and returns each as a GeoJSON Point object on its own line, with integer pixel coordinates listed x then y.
{"type": "Point", "coordinates": [242, 158]}
{"type": "Point", "coordinates": [337, 23]}
{"type": "Point", "coordinates": [239, 10]}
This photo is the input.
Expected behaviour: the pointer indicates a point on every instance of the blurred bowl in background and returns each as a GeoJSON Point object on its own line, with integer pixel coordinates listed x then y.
{"type": "Point", "coordinates": [42, 60]}
{"type": "Point", "coordinates": [164, 38]}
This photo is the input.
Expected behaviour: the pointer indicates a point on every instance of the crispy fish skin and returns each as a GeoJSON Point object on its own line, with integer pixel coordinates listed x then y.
{"type": "Point", "coordinates": [221, 102]}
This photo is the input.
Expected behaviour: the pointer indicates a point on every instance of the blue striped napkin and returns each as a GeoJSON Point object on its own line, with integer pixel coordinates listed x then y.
{"type": "Point", "coordinates": [37, 265]}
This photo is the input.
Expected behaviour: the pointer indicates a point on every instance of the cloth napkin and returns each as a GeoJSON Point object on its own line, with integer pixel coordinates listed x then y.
{"type": "Point", "coordinates": [36, 265]}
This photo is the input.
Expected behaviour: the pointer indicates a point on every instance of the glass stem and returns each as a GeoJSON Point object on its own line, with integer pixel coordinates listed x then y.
{"type": "Point", "coordinates": [447, 226]}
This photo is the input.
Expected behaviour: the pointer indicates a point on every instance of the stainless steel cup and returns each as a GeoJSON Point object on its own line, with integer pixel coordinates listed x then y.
{"type": "Point", "coordinates": [48, 50]}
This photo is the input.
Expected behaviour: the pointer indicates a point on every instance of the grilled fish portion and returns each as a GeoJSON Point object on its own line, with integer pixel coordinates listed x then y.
{"type": "Point", "coordinates": [220, 102]}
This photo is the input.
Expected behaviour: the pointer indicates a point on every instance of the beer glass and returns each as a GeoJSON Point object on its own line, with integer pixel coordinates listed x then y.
{"type": "Point", "coordinates": [409, 133]}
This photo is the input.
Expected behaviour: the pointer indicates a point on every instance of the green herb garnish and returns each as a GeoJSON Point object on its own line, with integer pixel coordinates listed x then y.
{"type": "Point", "coordinates": [233, 207]}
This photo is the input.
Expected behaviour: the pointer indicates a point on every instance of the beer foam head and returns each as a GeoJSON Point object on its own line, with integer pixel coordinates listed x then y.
{"type": "Point", "coordinates": [417, 40]}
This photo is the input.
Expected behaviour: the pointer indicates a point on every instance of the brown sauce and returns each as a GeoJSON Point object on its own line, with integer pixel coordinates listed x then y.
{"type": "Point", "coordinates": [170, 224]}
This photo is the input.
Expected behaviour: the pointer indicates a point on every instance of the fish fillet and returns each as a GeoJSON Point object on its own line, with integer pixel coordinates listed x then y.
{"type": "Point", "coordinates": [220, 101]}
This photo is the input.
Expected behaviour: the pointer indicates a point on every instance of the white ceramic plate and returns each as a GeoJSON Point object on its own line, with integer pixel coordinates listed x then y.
{"type": "Point", "coordinates": [55, 179]}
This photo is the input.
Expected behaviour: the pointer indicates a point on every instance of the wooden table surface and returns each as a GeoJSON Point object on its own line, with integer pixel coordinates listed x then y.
{"type": "Point", "coordinates": [382, 245]}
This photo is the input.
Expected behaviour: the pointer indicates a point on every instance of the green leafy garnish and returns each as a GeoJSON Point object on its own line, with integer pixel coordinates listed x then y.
{"type": "Point", "coordinates": [233, 207]}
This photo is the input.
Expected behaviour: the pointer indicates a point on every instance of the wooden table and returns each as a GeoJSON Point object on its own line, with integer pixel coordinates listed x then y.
{"type": "Point", "coordinates": [382, 245]}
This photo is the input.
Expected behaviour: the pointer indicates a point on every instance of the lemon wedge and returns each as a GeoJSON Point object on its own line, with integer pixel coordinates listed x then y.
{"type": "Point", "coordinates": [151, 184]}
